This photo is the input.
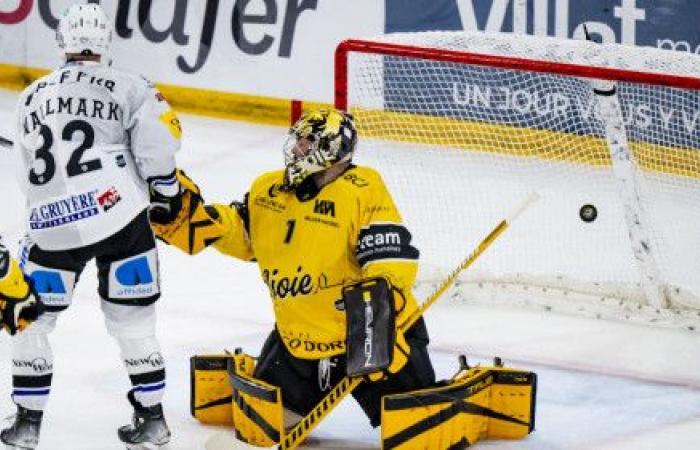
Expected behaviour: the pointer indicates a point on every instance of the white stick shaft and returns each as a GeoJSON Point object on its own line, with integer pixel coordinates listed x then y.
{"type": "Point", "coordinates": [529, 200]}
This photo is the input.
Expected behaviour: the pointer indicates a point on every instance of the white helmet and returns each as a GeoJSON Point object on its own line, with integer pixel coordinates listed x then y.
{"type": "Point", "coordinates": [83, 29]}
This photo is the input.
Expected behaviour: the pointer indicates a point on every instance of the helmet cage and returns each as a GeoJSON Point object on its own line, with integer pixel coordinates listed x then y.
{"type": "Point", "coordinates": [332, 138]}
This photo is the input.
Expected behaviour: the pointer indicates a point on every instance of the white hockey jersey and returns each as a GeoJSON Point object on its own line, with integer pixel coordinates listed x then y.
{"type": "Point", "coordinates": [90, 137]}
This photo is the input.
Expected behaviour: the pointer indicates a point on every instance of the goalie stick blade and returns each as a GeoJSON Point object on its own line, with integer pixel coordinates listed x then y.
{"type": "Point", "coordinates": [226, 440]}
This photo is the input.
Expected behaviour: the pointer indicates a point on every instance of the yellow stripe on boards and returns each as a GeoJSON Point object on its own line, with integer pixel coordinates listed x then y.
{"type": "Point", "coordinates": [206, 102]}
{"type": "Point", "coordinates": [415, 128]}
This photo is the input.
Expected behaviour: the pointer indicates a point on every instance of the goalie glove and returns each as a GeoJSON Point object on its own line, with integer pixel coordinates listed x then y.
{"type": "Point", "coordinates": [186, 223]}
{"type": "Point", "coordinates": [376, 345]}
{"type": "Point", "coordinates": [19, 303]}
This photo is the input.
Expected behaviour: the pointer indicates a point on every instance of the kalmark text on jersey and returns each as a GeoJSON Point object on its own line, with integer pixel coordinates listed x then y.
{"type": "Point", "coordinates": [76, 106]}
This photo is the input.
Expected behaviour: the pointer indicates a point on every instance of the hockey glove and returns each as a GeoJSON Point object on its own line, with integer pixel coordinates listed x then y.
{"type": "Point", "coordinates": [166, 198]}
{"type": "Point", "coordinates": [376, 346]}
{"type": "Point", "coordinates": [190, 228]}
{"type": "Point", "coordinates": [19, 304]}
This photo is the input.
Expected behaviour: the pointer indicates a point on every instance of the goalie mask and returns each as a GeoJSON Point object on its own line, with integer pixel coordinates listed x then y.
{"type": "Point", "coordinates": [317, 141]}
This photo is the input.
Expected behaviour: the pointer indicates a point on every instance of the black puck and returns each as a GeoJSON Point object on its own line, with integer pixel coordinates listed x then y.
{"type": "Point", "coordinates": [588, 213]}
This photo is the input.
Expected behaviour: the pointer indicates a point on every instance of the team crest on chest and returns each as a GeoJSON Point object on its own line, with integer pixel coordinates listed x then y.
{"type": "Point", "coordinates": [325, 207]}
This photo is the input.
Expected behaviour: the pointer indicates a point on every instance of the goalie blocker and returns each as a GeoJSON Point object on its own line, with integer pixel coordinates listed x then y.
{"type": "Point", "coordinates": [371, 326]}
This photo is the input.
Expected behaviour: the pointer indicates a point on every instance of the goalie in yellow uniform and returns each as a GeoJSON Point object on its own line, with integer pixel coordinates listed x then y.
{"type": "Point", "coordinates": [340, 266]}
{"type": "Point", "coordinates": [19, 305]}
{"type": "Point", "coordinates": [313, 228]}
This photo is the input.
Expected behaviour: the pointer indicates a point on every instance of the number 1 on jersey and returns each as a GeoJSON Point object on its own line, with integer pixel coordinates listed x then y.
{"type": "Point", "coordinates": [290, 230]}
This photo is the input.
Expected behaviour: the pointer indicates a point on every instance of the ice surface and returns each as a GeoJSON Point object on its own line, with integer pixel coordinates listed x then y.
{"type": "Point", "coordinates": [602, 385]}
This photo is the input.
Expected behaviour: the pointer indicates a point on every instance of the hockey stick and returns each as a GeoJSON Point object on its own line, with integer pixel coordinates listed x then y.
{"type": "Point", "coordinates": [4, 142]}
{"type": "Point", "coordinates": [301, 430]}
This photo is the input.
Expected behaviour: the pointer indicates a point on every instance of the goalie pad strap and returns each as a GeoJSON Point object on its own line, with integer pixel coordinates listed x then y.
{"type": "Point", "coordinates": [270, 431]}
{"type": "Point", "coordinates": [457, 392]}
{"type": "Point", "coordinates": [253, 389]}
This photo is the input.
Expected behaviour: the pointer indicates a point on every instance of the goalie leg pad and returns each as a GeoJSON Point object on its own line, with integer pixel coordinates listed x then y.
{"type": "Point", "coordinates": [211, 394]}
{"type": "Point", "coordinates": [258, 413]}
{"type": "Point", "coordinates": [370, 321]}
{"type": "Point", "coordinates": [479, 403]}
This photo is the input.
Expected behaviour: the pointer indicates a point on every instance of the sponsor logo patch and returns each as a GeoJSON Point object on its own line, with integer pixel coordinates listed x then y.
{"type": "Point", "coordinates": [308, 345]}
{"type": "Point", "coordinates": [38, 365]}
{"type": "Point", "coordinates": [269, 203]}
{"type": "Point", "coordinates": [109, 198]}
{"type": "Point", "coordinates": [384, 241]}
{"type": "Point", "coordinates": [282, 287]}
{"type": "Point", "coordinates": [134, 277]}
{"type": "Point", "coordinates": [55, 287]}
{"type": "Point", "coordinates": [67, 210]}
{"type": "Point", "coordinates": [154, 360]}
{"type": "Point", "coordinates": [325, 207]}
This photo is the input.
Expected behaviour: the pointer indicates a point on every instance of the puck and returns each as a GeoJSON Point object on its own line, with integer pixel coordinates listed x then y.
{"type": "Point", "coordinates": [588, 213]}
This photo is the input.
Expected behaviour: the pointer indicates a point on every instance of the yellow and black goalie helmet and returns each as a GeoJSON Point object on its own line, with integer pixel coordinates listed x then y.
{"type": "Point", "coordinates": [318, 140]}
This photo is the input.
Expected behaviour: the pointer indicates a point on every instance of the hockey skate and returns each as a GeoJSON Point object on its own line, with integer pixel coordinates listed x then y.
{"type": "Point", "coordinates": [148, 429]}
{"type": "Point", "coordinates": [23, 432]}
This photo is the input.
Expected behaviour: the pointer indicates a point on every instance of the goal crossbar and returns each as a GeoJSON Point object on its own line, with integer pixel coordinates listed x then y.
{"type": "Point", "coordinates": [501, 62]}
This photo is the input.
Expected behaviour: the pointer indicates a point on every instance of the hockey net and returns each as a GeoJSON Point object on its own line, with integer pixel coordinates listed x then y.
{"type": "Point", "coordinates": [462, 126]}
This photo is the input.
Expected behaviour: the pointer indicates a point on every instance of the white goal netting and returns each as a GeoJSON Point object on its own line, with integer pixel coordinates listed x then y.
{"type": "Point", "coordinates": [462, 126]}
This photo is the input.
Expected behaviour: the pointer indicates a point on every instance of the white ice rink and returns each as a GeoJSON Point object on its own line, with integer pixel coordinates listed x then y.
{"type": "Point", "coordinates": [602, 385]}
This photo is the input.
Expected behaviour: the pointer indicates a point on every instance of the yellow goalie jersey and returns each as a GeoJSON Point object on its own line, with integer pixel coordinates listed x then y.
{"type": "Point", "coordinates": [308, 249]}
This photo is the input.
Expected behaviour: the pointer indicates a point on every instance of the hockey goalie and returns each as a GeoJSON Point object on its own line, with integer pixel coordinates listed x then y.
{"type": "Point", "coordinates": [339, 265]}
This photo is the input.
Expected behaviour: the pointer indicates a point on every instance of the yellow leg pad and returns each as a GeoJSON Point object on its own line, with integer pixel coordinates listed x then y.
{"type": "Point", "coordinates": [513, 394]}
{"type": "Point", "coordinates": [480, 403]}
{"type": "Point", "coordinates": [258, 414]}
{"type": "Point", "coordinates": [211, 393]}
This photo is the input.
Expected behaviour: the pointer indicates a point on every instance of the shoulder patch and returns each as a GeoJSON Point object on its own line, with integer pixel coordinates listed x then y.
{"type": "Point", "coordinates": [379, 241]}
{"type": "Point", "coordinates": [170, 120]}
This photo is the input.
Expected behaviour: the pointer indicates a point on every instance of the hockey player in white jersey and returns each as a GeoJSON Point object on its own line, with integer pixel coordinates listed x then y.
{"type": "Point", "coordinates": [97, 148]}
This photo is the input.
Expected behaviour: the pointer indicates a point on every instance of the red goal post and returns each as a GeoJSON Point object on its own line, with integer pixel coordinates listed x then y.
{"type": "Point", "coordinates": [619, 127]}
{"type": "Point", "coordinates": [463, 57]}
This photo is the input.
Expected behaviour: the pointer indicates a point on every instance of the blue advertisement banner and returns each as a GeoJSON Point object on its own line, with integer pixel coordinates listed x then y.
{"type": "Point", "coordinates": [653, 114]}
{"type": "Point", "coordinates": [670, 24]}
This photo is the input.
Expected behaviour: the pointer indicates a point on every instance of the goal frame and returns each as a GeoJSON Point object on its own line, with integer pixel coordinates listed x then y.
{"type": "Point", "coordinates": [598, 76]}
{"type": "Point", "coordinates": [478, 59]}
